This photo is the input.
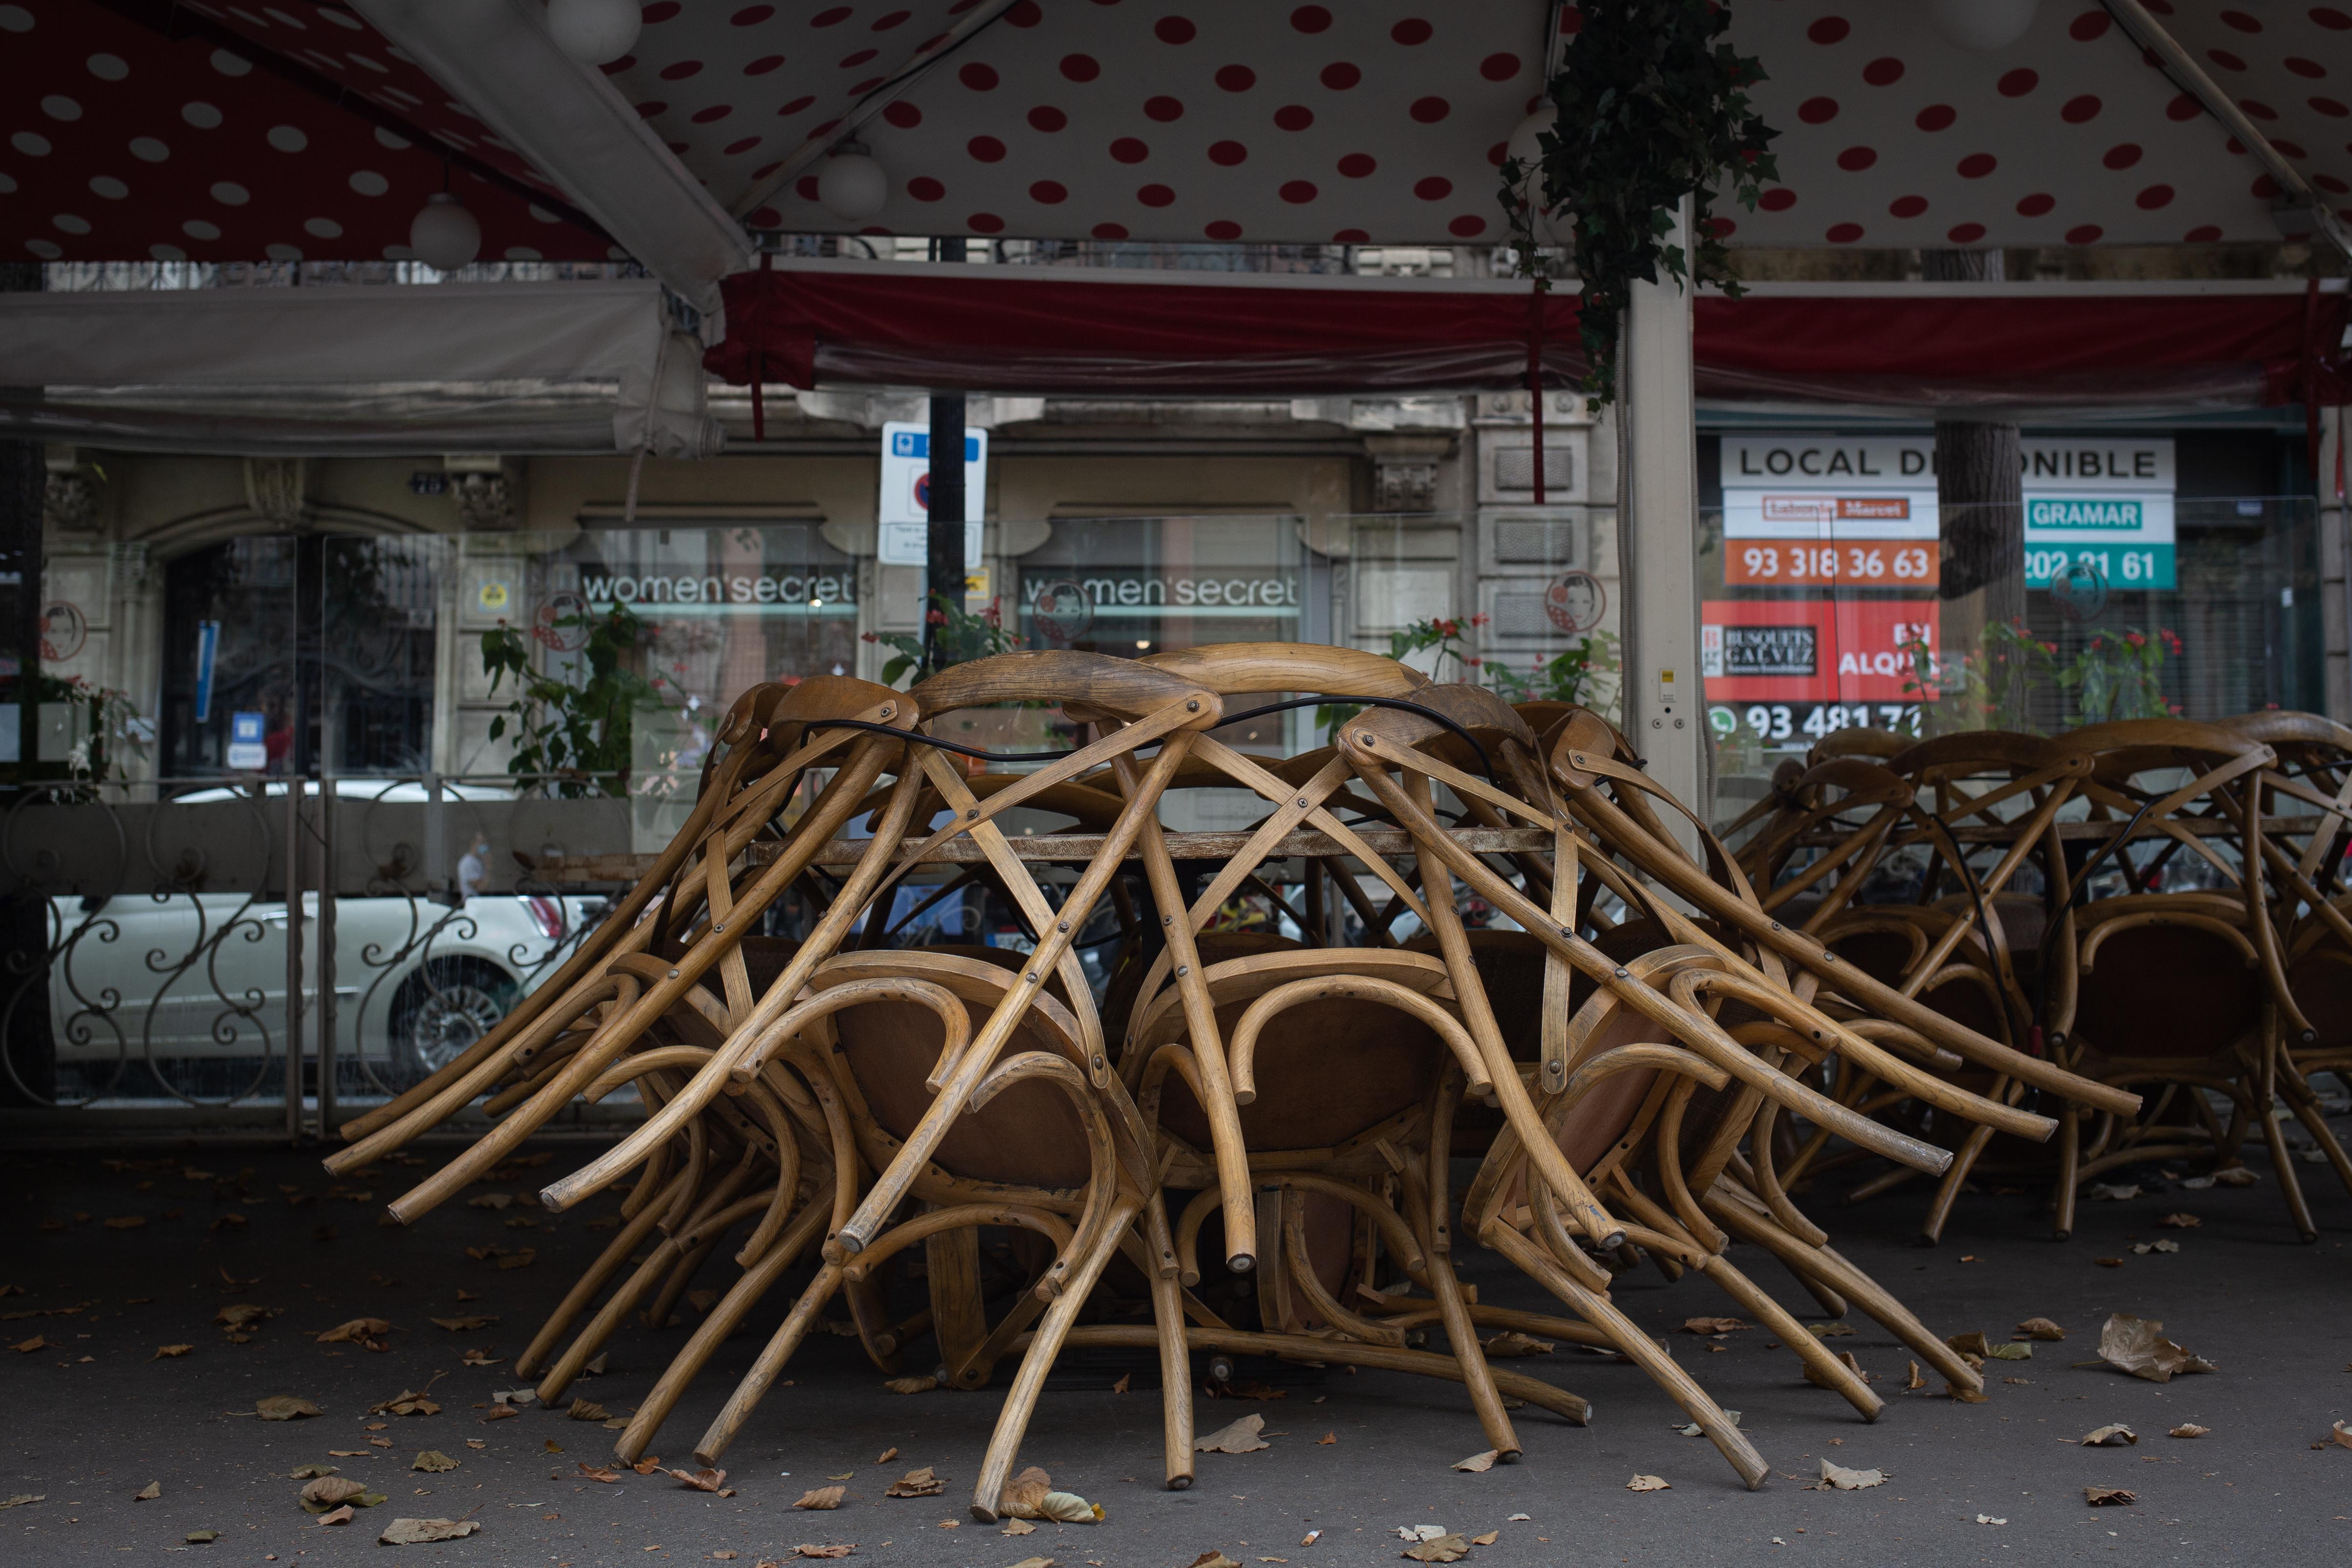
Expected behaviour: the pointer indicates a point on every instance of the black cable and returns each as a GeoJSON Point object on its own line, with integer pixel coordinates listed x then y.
{"type": "Point", "coordinates": [2075, 899]}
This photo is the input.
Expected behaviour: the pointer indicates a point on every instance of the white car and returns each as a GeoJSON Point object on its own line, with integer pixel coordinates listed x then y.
{"type": "Point", "coordinates": [195, 983]}
{"type": "Point", "coordinates": [203, 976]}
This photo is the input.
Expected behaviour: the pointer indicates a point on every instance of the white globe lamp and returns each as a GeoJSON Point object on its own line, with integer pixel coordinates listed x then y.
{"type": "Point", "coordinates": [1984, 26]}
{"type": "Point", "coordinates": [594, 32]}
{"type": "Point", "coordinates": [851, 185]}
{"type": "Point", "coordinates": [444, 235]}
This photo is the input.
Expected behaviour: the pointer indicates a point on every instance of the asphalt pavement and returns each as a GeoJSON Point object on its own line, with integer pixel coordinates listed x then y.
{"type": "Point", "coordinates": [108, 1258]}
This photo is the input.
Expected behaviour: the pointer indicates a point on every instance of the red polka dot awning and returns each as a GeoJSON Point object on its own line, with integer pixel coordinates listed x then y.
{"type": "Point", "coordinates": [227, 130]}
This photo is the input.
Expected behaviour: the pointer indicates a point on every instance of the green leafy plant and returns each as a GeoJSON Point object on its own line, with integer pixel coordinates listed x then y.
{"type": "Point", "coordinates": [2121, 675]}
{"type": "Point", "coordinates": [571, 738]}
{"type": "Point", "coordinates": [1990, 687]}
{"type": "Point", "coordinates": [2114, 675]}
{"type": "Point", "coordinates": [1652, 106]}
{"type": "Point", "coordinates": [961, 638]}
{"type": "Point", "coordinates": [1586, 675]}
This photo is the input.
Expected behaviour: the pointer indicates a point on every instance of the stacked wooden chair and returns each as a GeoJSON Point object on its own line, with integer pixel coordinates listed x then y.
{"type": "Point", "coordinates": [1628, 1066]}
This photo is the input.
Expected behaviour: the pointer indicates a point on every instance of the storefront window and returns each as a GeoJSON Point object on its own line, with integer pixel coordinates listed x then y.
{"type": "Point", "coordinates": [1820, 578]}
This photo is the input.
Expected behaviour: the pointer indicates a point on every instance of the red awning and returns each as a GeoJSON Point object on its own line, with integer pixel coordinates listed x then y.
{"type": "Point", "coordinates": [1024, 330]}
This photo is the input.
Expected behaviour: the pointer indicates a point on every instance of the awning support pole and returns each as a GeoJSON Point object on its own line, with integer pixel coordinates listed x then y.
{"type": "Point", "coordinates": [1658, 538]}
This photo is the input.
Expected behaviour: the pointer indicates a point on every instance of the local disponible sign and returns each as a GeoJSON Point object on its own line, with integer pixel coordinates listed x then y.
{"type": "Point", "coordinates": [906, 497]}
{"type": "Point", "coordinates": [2106, 502]}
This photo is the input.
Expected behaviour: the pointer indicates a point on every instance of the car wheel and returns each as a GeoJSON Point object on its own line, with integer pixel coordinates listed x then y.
{"type": "Point", "coordinates": [442, 1010]}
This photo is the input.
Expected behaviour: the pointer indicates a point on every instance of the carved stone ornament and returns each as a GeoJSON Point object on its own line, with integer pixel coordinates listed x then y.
{"type": "Point", "coordinates": [485, 502]}
{"type": "Point", "coordinates": [70, 501]}
{"type": "Point", "coordinates": [274, 488]}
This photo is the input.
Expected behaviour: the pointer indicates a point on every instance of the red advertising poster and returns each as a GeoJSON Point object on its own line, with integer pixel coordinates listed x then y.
{"type": "Point", "coordinates": [1812, 650]}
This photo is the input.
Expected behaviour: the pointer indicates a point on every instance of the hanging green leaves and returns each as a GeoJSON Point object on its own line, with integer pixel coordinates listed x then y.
{"type": "Point", "coordinates": [1652, 106]}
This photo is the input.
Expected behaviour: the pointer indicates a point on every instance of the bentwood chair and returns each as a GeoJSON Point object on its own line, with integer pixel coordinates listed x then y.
{"type": "Point", "coordinates": [972, 1065]}
{"type": "Point", "coordinates": [2181, 988]}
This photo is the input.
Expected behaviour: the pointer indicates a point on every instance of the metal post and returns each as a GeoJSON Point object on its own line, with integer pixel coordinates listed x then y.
{"type": "Point", "coordinates": [437, 834]}
{"type": "Point", "coordinates": [326, 952]}
{"type": "Point", "coordinates": [24, 482]}
{"type": "Point", "coordinates": [943, 571]}
{"type": "Point", "coordinates": [1666, 713]}
{"type": "Point", "coordinates": [294, 958]}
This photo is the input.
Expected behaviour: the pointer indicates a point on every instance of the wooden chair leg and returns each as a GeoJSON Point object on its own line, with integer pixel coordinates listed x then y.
{"type": "Point", "coordinates": [1636, 1347]}
{"type": "Point", "coordinates": [1175, 1378]}
{"type": "Point", "coordinates": [870, 1310]}
{"type": "Point", "coordinates": [2290, 1185]}
{"type": "Point", "coordinates": [2316, 1125]}
{"type": "Point", "coordinates": [1825, 1368]}
{"type": "Point", "coordinates": [609, 1262]}
{"type": "Point", "coordinates": [1863, 1291]}
{"type": "Point", "coordinates": [714, 1329]}
{"type": "Point", "coordinates": [1013, 1421]}
{"type": "Point", "coordinates": [951, 1259]}
{"type": "Point", "coordinates": [1948, 1192]}
{"type": "Point", "coordinates": [772, 1357]}
{"type": "Point", "coordinates": [605, 1324]}
{"type": "Point", "coordinates": [2070, 1165]}
{"type": "Point", "coordinates": [1461, 1334]}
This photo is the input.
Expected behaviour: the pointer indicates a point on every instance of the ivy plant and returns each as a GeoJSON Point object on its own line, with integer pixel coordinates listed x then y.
{"type": "Point", "coordinates": [1652, 106]}
{"type": "Point", "coordinates": [573, 738]}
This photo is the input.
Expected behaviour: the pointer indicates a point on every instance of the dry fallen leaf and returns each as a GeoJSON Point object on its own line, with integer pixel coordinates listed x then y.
{"type": "Point", "coordinates": [2111, 1436]}
{"type": "Point", "coordinates": [1837, 1478]}
{"type": "Point", "coordinates": [1964, 1395]}
{"type": "Point", "coordinates": [821, 1498]}
{"type": "Point", "coordinates": [242, 1313]}
{"type": "Point", "coordinates": [366, 1333]}
{"type": "Point", "coordinates": [1489, 1539]}
{"type": "Point", "coordinates": [342, 1515]}
{"type": "Point", "coordinates": [1711, 1325]}
{"type": "Point", "coordinates": [804, 1549]}
{"type": "Point", "coordinates": [421, 1532]}
{"type": "Point", "coordinates": [1847, 1359]}
{"type": "Point", "coordinates": [312, 1472]}
{"type": "Point", "coordinates": [330, 1492]}
{"type": "Point", "coordinates": [1022, 1495]}
{"type": "Point", "coordinates": [2039, 1329]}
{"type": "Point", "coordinates": [1478, 1463]}
{"type": "Point", "coordinates": [2137, 1345]}
{"type": "Point", "coordinates": [1511, 1343]}
{"type": "Point", "coordinates": [2113, 1192]}
{"type": "Point", "coordinates": [2108, 1262]}
{"type": "Point", "coordinates": [704, 1481]}
{"type": "Point", "coordinates": [170, 1353]}
{"type": "Point", "coordinates": [2189, 1429]}
{"type": "Point", "coordinates": [1327, 1441]}
{"type": "Point", "coordinates": [1443, 1549]}
{"type": "Point", "coordinates": [1206, 1560]}
{"type": "Point", "coordinates": [602, 1473]}
{"type": "Point", "coordinates": [648, 1465]}
{"type": "Point", "coordinates": [1120, 1386]}
{"type": "Point", "coordinates": [284, 1407]}
{"type": "Point", "coordinates": [2142, 1248]}
{"type": "Point", "coordinates": [886, 1456]}
{"type": "Point", "coordinates": [925, 1482]}
{"type": "Point", "coordinates": [433, 1461]}
{"type": "Point", "coordinates": [587, 1410]}
{"type": "Point", "coordinates": [1018, 1527]}
{"type": "Point", "coordinates": [21, 1499]}
{"type": "Point", "coordinates": [912, 1384]}
{"type": "Point", "coordinates": [149, 1492]}
{"type": "Point", "coordinates": [463, 1325]}
{"type": "Point", "coordinates": [125, 1222]}
{"type": "Point", "coordinates": [2180, 1221]}
{"type": "Point", "coordinates": [1241, 1437]}
{"type": "Point", "coordinates": [26, 1347]}
{"type": "Point", "coordinates": [2105, 1497]}
{"type": "Point", "coordinates": [1646, 1484]}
